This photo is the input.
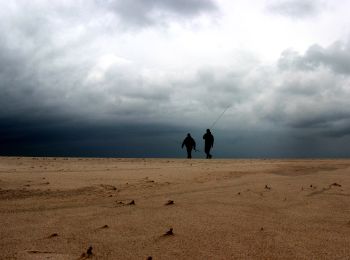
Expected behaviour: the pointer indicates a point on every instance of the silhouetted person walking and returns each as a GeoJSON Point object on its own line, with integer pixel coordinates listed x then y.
{"type": "Point", "coordinates": [208, 143]}
{"type": "Point", "coordinates": [190, 144]}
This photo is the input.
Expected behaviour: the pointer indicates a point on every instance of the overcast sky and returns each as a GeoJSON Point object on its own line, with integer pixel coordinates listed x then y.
{"type": "Point", "coordinates": [133, 77]}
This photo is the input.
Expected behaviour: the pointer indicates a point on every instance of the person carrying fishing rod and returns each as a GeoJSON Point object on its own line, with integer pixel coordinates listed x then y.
{"type": "Point", "coordinates": [209, 138]}
{"type": "Point", "coordinates": [190, 144]}
{"type": "Point", "coordinates": [208, 143]}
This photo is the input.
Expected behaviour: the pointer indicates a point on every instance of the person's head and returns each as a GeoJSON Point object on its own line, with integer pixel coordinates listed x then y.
{"type": "Point", "coordinates": [188, 135]}
{"type": "Point", "coordinates": [208, 131]}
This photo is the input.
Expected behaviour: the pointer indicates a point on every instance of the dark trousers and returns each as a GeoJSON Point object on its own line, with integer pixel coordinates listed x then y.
{"type": "Point", "coordinates": [189, 152]}
{"type": "Point", "coordinates": [207, 151]}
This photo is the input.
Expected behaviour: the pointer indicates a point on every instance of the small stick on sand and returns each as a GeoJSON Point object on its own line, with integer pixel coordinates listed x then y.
{"type": "Point", "coordinates": [169, 232]}
{"type": "Point", "coordinates": [105, 226]}
{"type": "Point", "coordinates": [89, 251]}
{"type": "Point", "coordinates": [131, 202]}
{"type": "Point", "coordinates": [53, 235]}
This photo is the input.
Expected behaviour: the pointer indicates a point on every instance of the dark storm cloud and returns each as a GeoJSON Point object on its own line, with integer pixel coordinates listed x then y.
{"type": "Point", "coordinates": [33, 86]}
{"type": "Point", "coordinates": [294, 8]}
{"type": "Point", "coordinates": [45, 67]}
{"type": "Point", "coordinates": [221, 90]}
{"type": "Point", "coordinates": [61, 137]}
{"type": "Point", "coordinates": [39, 68]}
{"type": "Point", "coordinates": [340, 131]}
{"type": "Point", "coordinates": [55, 100]}
{"type": "Point", "coordinates": [65, 91]}
{"type": "Point", "coordinates": [150, 12]}
{"type": "Point", "coordinates": [46, 90]}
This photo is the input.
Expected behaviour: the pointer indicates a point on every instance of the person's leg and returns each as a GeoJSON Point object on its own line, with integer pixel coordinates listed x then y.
{"type": "Point", "coordinates": [206, 150]}
{"type": "Point", "coordinates": [189, 155]}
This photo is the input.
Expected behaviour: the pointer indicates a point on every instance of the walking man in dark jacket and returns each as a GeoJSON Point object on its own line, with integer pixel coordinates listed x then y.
{"type": "Point", "coordinates": [208, 143]}
{"type": "Point", "coordinates": [190, 144]}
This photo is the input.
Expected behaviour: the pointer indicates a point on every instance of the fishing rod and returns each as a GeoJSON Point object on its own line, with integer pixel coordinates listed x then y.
{"type": "Point", "coordinates": [211, 127]}
{"type": "Point", "coordinates": [214, 123]}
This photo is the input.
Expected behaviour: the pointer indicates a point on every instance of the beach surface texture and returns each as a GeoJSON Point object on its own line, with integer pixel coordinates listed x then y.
{"type": "Point", "coordinates": [88, 208]}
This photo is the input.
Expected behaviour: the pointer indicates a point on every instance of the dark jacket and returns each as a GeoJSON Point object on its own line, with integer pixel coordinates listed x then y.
{"type": "Point", "coordinates": [189, 143]}
{"type": "Point", "coordinates": [209, 139]}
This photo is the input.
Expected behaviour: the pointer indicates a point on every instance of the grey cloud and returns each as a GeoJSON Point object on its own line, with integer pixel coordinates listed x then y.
{"type": "Point", "coordinates": [44, 69]}
{"type": "Point", "coordinates": [150, 12]}
{"type": "Point", "coordinates": [52, 91]}
{"type": "Point", "coordinates": [311, 92]}
{"type": "Point", "coordinates": [336, 57]}
{"type": "Point", "coordinates": [315, 110]}
{"type": "Point", "coordinates": [338, 131]}
{"type": "Point", "coordinates": [43, 72]}
{"type": "Point", "coordinates": [217, 88]}
{"type": "Point", "coordinates": [50, 104]}
{"type": "Point", "coordinates": [301, 94]}
{"type": "Point", "coordinates": [294, 8]}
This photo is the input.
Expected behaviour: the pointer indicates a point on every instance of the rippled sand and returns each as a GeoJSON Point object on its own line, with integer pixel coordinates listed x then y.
{"type": "Point", "coordinates": [56, 208]}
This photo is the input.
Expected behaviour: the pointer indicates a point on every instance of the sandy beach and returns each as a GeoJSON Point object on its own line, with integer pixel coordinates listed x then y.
{"type": "Point", "coordinates": [56, 208]}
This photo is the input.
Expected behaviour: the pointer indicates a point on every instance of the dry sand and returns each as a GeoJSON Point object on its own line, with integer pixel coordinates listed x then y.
{"type": "Point", "coordinates": [56, 208]}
